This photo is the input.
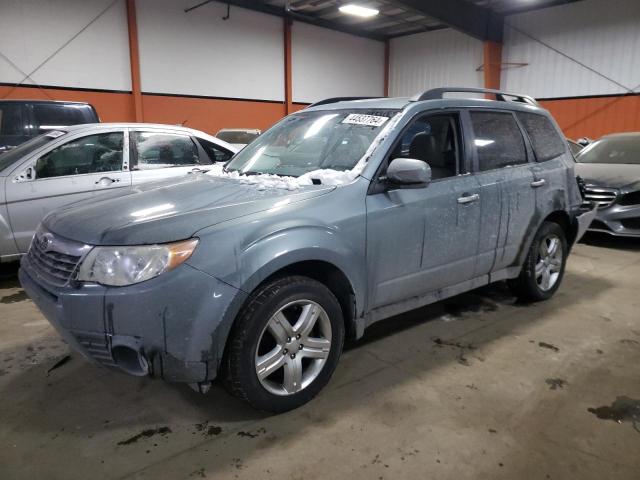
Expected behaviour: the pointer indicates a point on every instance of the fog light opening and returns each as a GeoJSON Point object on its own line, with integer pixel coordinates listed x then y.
{"type": "Point", "coordinates": [130, 360]}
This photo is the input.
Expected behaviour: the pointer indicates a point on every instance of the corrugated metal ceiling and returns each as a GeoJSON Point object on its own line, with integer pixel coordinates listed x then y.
{"type": "Point", "coordinates": [395, 18]}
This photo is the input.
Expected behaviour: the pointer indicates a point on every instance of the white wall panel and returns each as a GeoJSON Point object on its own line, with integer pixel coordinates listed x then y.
{"type": "Point", "coordinates": [602, 34]}
{"type": "Point", "coordinates": [434, 59]}
{"type": "Point", "coordinates": [198, 53]}
{"type": "Point", "coordinates": [326, 63]}
{"type": "Point", "coordinates": [31, 30]}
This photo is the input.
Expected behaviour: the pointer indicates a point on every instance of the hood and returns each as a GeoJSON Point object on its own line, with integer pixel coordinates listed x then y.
{"type": "Point", "coordinates": [616, 175]}
{"type": "Point", "coordinates": [168, 211]}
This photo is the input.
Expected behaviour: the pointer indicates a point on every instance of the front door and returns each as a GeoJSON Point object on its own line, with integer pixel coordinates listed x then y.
{"type": "Point", "coordinates": [69, 173]}
{"type": "Point", "coordinates": [423, 239]}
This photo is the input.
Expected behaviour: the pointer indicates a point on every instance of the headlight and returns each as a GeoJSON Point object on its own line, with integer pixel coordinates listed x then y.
{"type": "Point", "coordinates": [118, 266]}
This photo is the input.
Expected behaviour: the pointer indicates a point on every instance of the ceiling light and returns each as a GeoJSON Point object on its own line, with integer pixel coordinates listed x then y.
{"type": "Point", "coordinates": [358, 10]}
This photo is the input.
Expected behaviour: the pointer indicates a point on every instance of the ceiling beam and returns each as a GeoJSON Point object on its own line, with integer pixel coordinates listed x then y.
{"type": "Point", "coordinates": [281, 12]}
{"type": "Point", "coordinates": [463, 15]}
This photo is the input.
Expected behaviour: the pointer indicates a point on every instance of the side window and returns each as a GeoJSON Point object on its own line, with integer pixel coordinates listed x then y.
{"type": "Point", "coordinates": [162, 150]}
{"type": "Point", "coordinates": [546, 142]}
{"type": "Point", "coordinates": [50, 117]}
{"type": "Point", "coordinates": [91, 154]}
{"type": "Point", "coordinates": [11, 122]}
{"type": "Point", "coordinates": [432, 139]}
{"type": "Point", "coordinates": [215, 153]}
{"type": "Point", "coordinates": [498, 140]}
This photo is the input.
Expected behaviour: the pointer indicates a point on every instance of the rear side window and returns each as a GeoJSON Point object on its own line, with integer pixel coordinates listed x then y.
{"type": "Point", "coordinates": [545, 140]}
{"type": "Point", "coordinates": [215, 153]}
{"type": "Point", "coordinates": [498, 140]}
{"type": "Point", "coordinates": [11, 122]}
{"type": "Point", "coordinates": [162, 150]}
{"type": "Point", "coordinates": [49, 117]}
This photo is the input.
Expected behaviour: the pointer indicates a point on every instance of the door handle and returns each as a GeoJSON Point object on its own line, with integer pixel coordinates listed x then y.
{"type": "Point", "coordinates": [538, 183]}
{"type": "Point", "coordinates": [197, 170]}
{"type": "Point", "coordinates": [107, 181]}
{"type": "Point", "coordinates": [468, 199]}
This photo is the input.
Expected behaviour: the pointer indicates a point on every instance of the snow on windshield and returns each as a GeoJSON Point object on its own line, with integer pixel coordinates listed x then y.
{"type": "Point", "coordinates": [323, 176]}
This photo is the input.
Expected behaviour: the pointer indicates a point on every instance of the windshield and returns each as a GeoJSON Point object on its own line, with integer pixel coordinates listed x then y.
{"type": "Point", "coordinates": [237, 136]}
{"type": "Point", "coordinates": [309, 141]}
{"type": "Point", "coordinates": [622, 149]}
{"type": "Point", "coordinates": [11, 156]}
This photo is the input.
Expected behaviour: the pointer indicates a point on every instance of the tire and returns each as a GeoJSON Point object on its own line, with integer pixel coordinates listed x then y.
{"type": "Point", "coordinates": [541, 276]}
{"type": "Point", "coordinates": [269, 337]}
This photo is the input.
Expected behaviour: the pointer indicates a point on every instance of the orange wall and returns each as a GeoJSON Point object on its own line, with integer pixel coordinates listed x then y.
{"type": "Point", "coordinates": [111, 107]}
{"type": "Point", "coordinates": [595, 117]}
{"type": "Point", "coordinates": [208, 115]}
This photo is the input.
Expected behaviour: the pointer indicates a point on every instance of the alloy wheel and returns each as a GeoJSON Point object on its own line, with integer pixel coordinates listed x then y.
{"type": "Point", "coordinates": [549, 262]}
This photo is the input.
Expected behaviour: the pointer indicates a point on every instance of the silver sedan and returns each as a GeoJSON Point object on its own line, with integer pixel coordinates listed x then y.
{"type": "Point", "coordinates": [610, 168]}
{"type": "Point", "coordinates": [75, 163]}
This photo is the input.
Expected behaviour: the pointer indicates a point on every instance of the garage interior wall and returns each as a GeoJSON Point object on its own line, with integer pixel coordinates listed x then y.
{"type": "Point", "coordinates": [434, 59]}
{"type": "Point", "coordinates": [326, 64]}
{"type": "Point", "coordinates": [196, 68]}
{"type": "Point", "coordinates": [604, 37]}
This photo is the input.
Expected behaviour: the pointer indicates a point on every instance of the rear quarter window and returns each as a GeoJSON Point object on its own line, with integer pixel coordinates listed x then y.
{"type": "Point", "coordinates": [546, 142]}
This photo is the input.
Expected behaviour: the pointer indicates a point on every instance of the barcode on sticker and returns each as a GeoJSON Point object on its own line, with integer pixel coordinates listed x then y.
{"type": "Point", "coordinates": [368, 120]}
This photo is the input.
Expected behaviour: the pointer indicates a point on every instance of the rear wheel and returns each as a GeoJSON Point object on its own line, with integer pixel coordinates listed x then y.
{"type": "Point", "coordinates": [544, 266]}
{"type": "Point", "coordinates": [285, 344]}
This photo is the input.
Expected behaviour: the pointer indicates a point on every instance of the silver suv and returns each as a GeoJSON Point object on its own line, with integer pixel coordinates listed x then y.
{"type": "Point", "coordinates": [340, 215]}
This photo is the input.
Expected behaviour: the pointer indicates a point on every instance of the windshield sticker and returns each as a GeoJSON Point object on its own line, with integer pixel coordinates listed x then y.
{"type": "Point", "coordinates": [367, 120]}
{"type": "Point", "coordinates": [55, 134]}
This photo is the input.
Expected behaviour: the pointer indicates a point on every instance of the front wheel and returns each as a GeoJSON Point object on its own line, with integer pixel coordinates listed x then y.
{"type": "Point", "coordinates": [285, 344]}
{"type": "Point", "coordinates": [544, 266]}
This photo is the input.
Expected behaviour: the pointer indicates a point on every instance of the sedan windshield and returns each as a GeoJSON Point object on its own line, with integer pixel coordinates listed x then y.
{"type": "Point", "coordinates": [8, 158]}
{"type": "Point", "coordinates": [309, 141]}
{"type": "Point", "coordinates": [618, 149]}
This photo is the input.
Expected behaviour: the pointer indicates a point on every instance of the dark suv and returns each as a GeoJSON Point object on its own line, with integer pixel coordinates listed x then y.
{"type": "Point", "coordinates": [21, 120]}
{"type": "Point", "coordinates": [340, 215]}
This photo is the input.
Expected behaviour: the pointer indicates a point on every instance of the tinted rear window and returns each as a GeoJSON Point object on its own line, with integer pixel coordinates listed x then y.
{"type": "Point", "coordinates": [49, 117]}
{"type": "Point", "coordinates": [11, 119]}
{"type": "Point", "coordinates": [546, 142]}
{"type": "Point", "coordinates": [498, 140]}
{"type": "Point", "coordinates": [237, 137]}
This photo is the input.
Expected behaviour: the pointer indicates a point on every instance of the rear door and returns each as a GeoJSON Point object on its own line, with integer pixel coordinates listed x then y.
{"type": "Point", "coordinates": [508, 200]}
{"type": "Point", "coordinates": [552, 161]}
{"type": "Point", "coordinates": [158, 154]}
{"type": "Point", "coordinates": [73, 171]}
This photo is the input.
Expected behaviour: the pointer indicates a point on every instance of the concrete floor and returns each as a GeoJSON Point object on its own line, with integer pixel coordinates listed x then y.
{"type": "Point", "coordinates": [476, 387]}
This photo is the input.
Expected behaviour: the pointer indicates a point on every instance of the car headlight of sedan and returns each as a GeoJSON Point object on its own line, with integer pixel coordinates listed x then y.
{"type": "Point", "coordinates": [126, 265]}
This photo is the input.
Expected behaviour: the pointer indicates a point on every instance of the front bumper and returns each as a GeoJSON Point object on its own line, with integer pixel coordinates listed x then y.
{"type": "Point", "coordinates": [618, 220]}
{"type": "Point", "coordinates": [178, 321]}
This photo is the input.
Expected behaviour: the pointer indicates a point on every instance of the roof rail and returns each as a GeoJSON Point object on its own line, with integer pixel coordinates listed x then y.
{"type": "Point", "coordinates": [327, 101]}
{"type": "Point", "coordinates": [438, 94]}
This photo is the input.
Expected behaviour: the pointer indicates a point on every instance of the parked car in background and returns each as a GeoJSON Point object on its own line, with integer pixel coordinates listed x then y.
{"type": "Point", "coordinates": [340, 215]}
{"type": "Point", "coordinates": [575, 147]}
{"type": "Point", "coordinates": [21, 120]}
{"type": "Point", "coordinates": [76, 163]}
{"type": "Point", "coordinates": [610, 169]}
{"type": "Point", "coordinates": [238, 137]}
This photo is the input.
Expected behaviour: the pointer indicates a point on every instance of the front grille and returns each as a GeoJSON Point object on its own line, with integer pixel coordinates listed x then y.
{"type": "Point", "coordinates": [49, 260]}
{"type": "Point", "coordinates": [631, 223]}
{"type": "Point", "coordinates": [602, 197]}
{"type": "Point", "coordinates": [96, 346]}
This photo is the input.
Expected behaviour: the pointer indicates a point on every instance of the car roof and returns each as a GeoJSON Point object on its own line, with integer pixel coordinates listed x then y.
{"type": "Point", "coordinates": [622, 135]}
{"type": "Point", "coordinates": [62, 102]}
{"type": "Point", "coordinates": [400, 103]}
{"type": "Point", "coordinates": [176, 128]}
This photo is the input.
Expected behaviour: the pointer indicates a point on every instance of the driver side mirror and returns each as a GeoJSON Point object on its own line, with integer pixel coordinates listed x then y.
{"type": "Point", "coordinates": [409, 171]}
